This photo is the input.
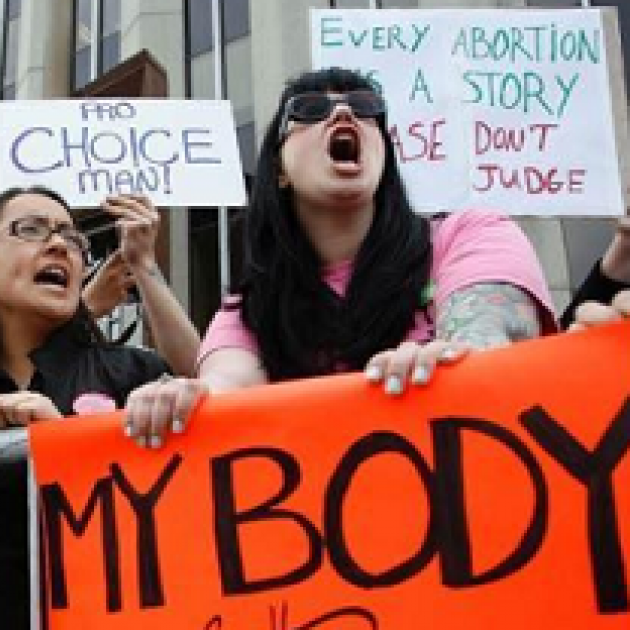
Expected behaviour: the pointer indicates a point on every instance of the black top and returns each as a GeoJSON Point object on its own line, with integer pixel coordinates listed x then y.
{"type": "Point", "coordinates": [66, 366]}
{"type": "Point", "coordinates": [597, 288]}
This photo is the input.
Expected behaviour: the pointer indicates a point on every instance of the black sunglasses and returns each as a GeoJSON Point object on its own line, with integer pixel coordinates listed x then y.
{"type": "Point", "coordinates": [312, 107]}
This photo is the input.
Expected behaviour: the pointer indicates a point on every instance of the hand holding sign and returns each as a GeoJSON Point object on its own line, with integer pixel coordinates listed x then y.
{"type": "Point", "coordinates": [155, 409]}
{"type": "Point", "coordinates": [616, 261]}
{"type": "Point", "coordinates": [182, 153]}
{"type": "Point", "coordinates": [109, 286]}
{"type": "Point", "coordinates": [23, 407]}
{"type": "Point", "coordinates": [138, 224]}
{"type": "Point", "coordinates": [497, 497]}
{"type": "Point", "coordinates": [592, 314]}
{"type": "Point", "coordinates": [487, 108]}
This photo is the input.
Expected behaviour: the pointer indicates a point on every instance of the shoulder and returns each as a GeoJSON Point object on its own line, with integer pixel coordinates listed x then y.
{"type": "Point", "coordinates": [227, 330]}
{"type": "Point", "coordinates": [479, 225]}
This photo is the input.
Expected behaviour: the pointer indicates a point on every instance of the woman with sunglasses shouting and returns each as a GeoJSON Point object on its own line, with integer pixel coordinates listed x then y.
{"type": "Point", "coordinates": [340, 273]}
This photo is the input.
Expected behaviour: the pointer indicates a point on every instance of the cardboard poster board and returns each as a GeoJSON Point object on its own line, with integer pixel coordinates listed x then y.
{"type": "Point", "coordinates": [508, 110]}
{"type": "Point", "coordinates": [496, 497]}
{"type": "Point", "coordinates": [178, 152]}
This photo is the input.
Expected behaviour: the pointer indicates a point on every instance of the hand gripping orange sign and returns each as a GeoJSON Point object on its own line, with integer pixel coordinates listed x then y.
{"type": "Point", "coordinates": [496, 497]}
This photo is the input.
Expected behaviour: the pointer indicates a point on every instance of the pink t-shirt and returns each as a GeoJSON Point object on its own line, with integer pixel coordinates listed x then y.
{"type": "Point", "coordinates": [468, 248]}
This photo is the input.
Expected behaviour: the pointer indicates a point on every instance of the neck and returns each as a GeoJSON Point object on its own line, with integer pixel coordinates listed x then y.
{"type": "Point", "coordinates": [19, 339]}
{"type": "Point", "coordinates": [336, 233]}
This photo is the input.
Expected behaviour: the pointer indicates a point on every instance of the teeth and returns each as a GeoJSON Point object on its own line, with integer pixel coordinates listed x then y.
{"type": "Point", "coordinates": [54, 274]}
{"type": "Point", "coordinates": [57, 271]}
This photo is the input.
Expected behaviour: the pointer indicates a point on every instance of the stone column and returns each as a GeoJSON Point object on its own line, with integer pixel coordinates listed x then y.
{"type": "Point", "coordinates": [43, 69]}
{"type": "Point", "coordinates": [158, 26]}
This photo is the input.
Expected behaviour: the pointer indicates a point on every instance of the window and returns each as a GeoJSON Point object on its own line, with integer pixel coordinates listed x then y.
{"type": "Point", "coordinates": [109, 39]}
{"type": "Point", "coordinates": [235, 56]}
{"type": "Point", "coordinates": [554, 3]}
{"type": "Point", "coordinates": [399, 4]}
{"type": "Point", "coordinates": [9, 37]}
{"type": "Point", "coordinates": [100, 32]}
{"type": "Point", "coordinates": [199, 23]}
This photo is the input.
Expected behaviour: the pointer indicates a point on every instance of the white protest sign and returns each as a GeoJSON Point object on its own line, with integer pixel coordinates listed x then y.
{"type": "Point", "coordinates": [178, 152]}
{"type": "Point", "coordinates": [500, 110]}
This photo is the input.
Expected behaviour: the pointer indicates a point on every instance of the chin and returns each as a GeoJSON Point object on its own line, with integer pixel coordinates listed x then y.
{"type": "Point", "coordinates": [58, 314]}
{"type": "Point", "coordinates": [352, 196]}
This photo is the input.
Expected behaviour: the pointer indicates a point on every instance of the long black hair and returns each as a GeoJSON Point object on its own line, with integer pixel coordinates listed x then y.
{"type": "Point", "coordinates": [82, 323]}
{"type": "Point", "coordinates": [302, 327]}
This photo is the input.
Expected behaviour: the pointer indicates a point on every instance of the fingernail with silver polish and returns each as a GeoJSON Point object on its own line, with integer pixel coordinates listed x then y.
{"type": "Point", "coordinates": [141, 441]}
{"type": "Point", "coordinates": [420, 375]}
{"type": "Point", "coordinates": [177, 426]}
{"type": "Point", "coordinates": [129, 430]}
{"type": "Point", "coordinates": [393, 385]}
{"type": "Point", "coordinates": [155, 441]}
{"type": "Point", "coordinates": [449, 354]}
{"type": "Point", "coordinates": [373, 373]}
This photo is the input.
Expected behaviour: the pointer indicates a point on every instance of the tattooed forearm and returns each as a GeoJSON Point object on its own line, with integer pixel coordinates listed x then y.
{"type": "Point", "coordinates": [488, 315]}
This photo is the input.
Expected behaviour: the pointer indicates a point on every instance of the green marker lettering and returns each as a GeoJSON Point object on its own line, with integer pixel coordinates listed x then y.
{"type": "Point", "coordinates": [468, 78]}
{"type": "Point", "coordinates": [419, 34]}
{"type": "Point", "coordinates": [420, 85]}
{"type": "Point", "coordinates": [378, 38]}
{"type": "Point", "coordinates": [566, 91]}
{"type": "Point", "coordinates": [505, 88]}
{"type": "Point", "coordinates": [395, 37]}
{"type": "Point", "coordinates": [357, 40]}
{"type": "Point", "coordinates": [517, 44]}
{"type": "Point", "coordinates": [592, 49]}
{"type": "Point", "coordinates": [534, 88]}
{"type": "Point", "coordinates": [460, 42]}
{"type": "Point", "coordinates": [331, 31]}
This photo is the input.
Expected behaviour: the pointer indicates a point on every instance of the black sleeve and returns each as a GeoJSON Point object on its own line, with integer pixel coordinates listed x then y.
{"type": "Point", "coordinates": [597, 287]}
{"type": "Point", "coordinates": [149, 366]}
{"type": "Point", "coordinates": [122, 369]}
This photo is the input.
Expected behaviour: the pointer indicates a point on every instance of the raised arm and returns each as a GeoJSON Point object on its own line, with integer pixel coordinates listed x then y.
{"type": "Point", "coordinates": [176, 338]}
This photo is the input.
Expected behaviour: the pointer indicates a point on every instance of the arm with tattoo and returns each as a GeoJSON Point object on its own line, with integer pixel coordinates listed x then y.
{"type": "Point", "coordinates": [487, 315]}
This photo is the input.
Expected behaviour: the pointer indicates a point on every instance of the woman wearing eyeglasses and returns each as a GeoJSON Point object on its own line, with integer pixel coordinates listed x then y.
{"type": "Point", "coordinates": [341, 274]}
{"type": "Point", "coordinates": [52, 359]}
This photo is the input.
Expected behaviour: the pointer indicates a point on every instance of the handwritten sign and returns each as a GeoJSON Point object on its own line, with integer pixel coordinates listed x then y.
{"type": "Point", "coordinates": [178, 152]}
{"type": "Point", "coordinates": [498, 496]}
{"type": "Point", "coordinates": [506, 110]}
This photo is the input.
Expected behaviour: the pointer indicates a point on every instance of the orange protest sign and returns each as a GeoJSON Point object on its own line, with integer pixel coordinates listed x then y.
{"type": "Point", "coordinates": [498, 496]}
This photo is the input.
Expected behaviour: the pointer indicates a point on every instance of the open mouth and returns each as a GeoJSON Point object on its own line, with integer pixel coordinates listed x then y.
{"type": "Point", "coordinates": [52, 276]}
{"type": "Point", "coordinates": [344, 146]}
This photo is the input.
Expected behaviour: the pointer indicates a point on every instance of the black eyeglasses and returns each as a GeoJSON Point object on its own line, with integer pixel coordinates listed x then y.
{"type": "Point", "coordinates": [314, 107]}
{"type": "Point", "coordinates": [39, 230]}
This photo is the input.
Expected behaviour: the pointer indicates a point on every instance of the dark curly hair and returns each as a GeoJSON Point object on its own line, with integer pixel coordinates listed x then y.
{"type": "Point", "coordinates": [302, 327]}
